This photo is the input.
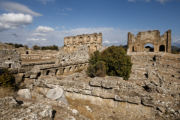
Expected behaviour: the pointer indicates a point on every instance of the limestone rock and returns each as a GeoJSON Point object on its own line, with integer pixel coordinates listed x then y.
{"type": "Point", "coordinates": [109, 84]}
{"type": "Point", "coordinates": [96, 82]}
{"type": "Point", "coordinates": [134, 100]}
{"type": "Point", "coordinates": [148, 101]}
{"type": "Point", "coordinates": [24, 93]}
{"type": "Point", "coordinates": [55, 93]}
{"type": "Point", "coordinates": [11, 110]}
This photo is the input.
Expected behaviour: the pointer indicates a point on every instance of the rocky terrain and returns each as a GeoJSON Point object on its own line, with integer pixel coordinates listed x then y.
{"type": "Point", "coordinates": [152, 92]}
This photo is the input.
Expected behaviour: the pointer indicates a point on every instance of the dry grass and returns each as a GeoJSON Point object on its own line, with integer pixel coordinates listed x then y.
{"type": "Point", "coordinates": [79, 105]}
{"type": "Point", "coordinates": [4, 92]}
{"type": "Point", "coordinates": [105, 112]}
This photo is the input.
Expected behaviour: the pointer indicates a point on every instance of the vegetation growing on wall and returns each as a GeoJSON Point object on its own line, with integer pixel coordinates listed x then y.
{"type": "Point", "coordinates": [6, 78]}
{"type": "Point", "coordinates": [175, 50]}
{"type": "Point", "coordinates": [17, 45]}
{"type": "Point", "coordinates": [53, 47]}
{"type": "Point", "coordinates": [113, 61]}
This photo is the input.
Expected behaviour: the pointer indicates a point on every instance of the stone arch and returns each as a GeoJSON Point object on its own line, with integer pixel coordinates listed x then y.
{"type": "Point", "coordinates": [80, 40]}
{"type": "Point", "coordinates": [64, 70]}
{"type": "Point", "coordinates": [95, 38]}
{"type": "Point", "coordinates": [80, 66]}
{"type": "Point", "coordinates": [88, 39]}
{"type": "Point", "coordinates": [162, 48]}
{"type": "Point", "coordinates": [74, 47]}
{"type": "Point", "coordinates": [47, 72]}
{"type": "Point", "coordinates": [133, 50]}
{"type": "Point", "coordinates": [39, 74]}
{"type": "Point", "coordinates": [95, 48]}
{"type": "Point", "coordinates": [70, 69]}
{"type": "Point", "coordinates": [56, 71]}
{"type": "Point", "coordinates": [10, 65]}
{"type": "Point", "coordinates": [89, 47]}
{"type": "Point", "coordinates": [75, 67]}
{"type": "Point", "coordinates": [149, 47]}
{"type": "Point", "coordinates": [27, 52]}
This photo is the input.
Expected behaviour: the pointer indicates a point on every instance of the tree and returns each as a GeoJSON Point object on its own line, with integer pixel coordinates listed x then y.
{"type": "Point", "coordinates": [35, 47]}
{"type": "Point", "coordinates": [113, 61]}
{"type": "Point", "coordinates": [6, 78]}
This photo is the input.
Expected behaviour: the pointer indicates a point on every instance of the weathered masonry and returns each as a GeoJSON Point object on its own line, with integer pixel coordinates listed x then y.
{"type": "Point", "coordinates": [159, 43]}
{"type": "Point", "coordinates": [92, 41]}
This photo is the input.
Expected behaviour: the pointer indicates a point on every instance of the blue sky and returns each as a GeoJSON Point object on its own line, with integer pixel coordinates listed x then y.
{"type": "Point", "coordinates": [47, 22]}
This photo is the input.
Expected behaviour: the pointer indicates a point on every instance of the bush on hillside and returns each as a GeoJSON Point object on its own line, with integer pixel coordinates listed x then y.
{"type": "Point", "coordinates": [17, 45]}
{"type": "Point", "coordinates": [113, 61]}
{"type": "Point", "coordinates": [175, 49]}
{"type": "Point", "coordinates": [6, 78]}
{"type": "Point", "coordinates": [53, 47]}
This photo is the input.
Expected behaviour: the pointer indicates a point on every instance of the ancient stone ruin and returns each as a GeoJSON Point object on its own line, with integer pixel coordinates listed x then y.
{"type": "Point", "coordinates": [160, 43]}
{"type": "Point", "coordinates": [53, 85]}
{"type": "Point", "coordinates": [10, 59]}
{"type": "Point", "coordinates": [92, 41]}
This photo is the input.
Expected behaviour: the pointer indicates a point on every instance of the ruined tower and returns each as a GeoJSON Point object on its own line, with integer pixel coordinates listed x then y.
{"type": "Point", "coordinates": [159, 43]}
{"type": "Point", "coordinates": [92, 41]}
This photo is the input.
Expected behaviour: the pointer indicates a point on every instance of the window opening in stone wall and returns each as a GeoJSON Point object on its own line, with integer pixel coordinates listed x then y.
{"type": "Point", "coordinates": [27, 52]}
{"type": "Point", "coordinates": [47, 72]}
{"type": "Point", "coordinates": [149, 47]}
{"type": "Point", "coordinates": [133, 49]}
{"type": "Point", "coordinates": [10, 66]}
{"type": "Point", "coordinates": [162, 48]}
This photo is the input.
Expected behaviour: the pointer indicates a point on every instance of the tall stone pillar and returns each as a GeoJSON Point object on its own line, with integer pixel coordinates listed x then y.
{"type": "Point", "coordinates": [168, 46]}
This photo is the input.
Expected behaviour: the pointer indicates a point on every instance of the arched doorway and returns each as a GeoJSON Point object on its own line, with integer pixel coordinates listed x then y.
{"type": "Point", "coordinates": [27, 52]}
{"type": "Point", "coordinates": [133, 49]}
{"type": "Point", "coordinates": [149, 47]}
{"type": "Point", "coordinates": [162, 48]}
{"type": "Point", "coordinates": [47, 72]}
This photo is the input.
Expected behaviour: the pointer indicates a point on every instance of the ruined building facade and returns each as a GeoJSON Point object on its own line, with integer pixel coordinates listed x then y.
{"type": "Point", "coordinates": [160, 43]}
{"type": "Point", "coordinates": [92, 41]}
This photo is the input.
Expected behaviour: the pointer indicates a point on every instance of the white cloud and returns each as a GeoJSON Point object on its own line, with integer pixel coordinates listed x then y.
{"type": "Point", "coordinates": [39, 34]}
{"type": "Point", "coordinates": [44, 29]}
{"type": "Point", "coordinates": [36, 39]}
{"type": "Point", "coordinates": [111, 36]}
{"type": "Point", "coordinates": [16, 7]}
{"type": "Point", "coordinates": [162, 1]}
{"type": "Point", "coordinates": [131, 0]}
{"type": "Point", "coordinates": [13, 20]}
{"type": "Point", "coordinates": [46, 1]}
{"type": "Point", "coordinates": [139, 0]}
{"type": "Point", "coordinates": [67, 9]}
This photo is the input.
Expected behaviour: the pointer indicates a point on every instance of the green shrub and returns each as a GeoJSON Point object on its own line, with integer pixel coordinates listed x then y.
{"type": "Point", "coordinates": [113, 61]}
{"type": "Point", "coordinates": [53, 47]}
{"type": "Point", "coordinates": [36, 47]}
{"type": "Point", "coordinates": [98, 69]}
{"type": "Point", "coordinates": [17, 45]}
{"type": "Point", "coordinates": [6, 78]}
{"type": "Point", "coordinates": [175, 49]}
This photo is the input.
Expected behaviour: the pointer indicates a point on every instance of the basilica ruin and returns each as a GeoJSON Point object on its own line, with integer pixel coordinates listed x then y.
{"type": "Point", "coordinates": [160, 43]}
{"type": "Point", "coordinates": [92, 41]}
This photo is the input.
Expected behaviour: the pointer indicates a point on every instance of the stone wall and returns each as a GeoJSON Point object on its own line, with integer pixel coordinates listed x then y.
{"type": "Point", "coordinates": [38, 55]}
{"type": "Point", "coordinates": [160, 43]}
{"type": "Point", "coordinates": [5, 46]}
{"type": "Point", "coordinates": [92, 41]}
{"type": "Point", "coordinates": [10, 59]}
{"type": "Point", "coordinates": [153, 84]}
